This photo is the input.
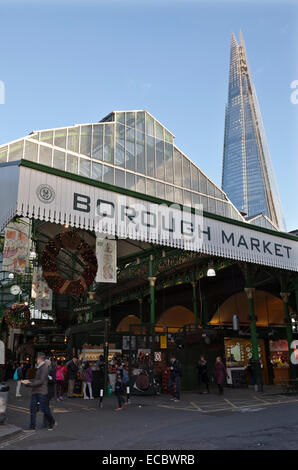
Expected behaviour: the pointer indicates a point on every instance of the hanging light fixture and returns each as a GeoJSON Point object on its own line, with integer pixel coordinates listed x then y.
{"type": "Point", "coordinates": [211, 272]}
{"type": "Point", "coordinates": [32, 255]}
{"type": "Point", "coordinates": [11, 275]}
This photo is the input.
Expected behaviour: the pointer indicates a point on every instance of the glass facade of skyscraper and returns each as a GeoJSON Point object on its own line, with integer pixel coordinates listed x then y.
{"type": "Point", "coordinates": [248, 178]}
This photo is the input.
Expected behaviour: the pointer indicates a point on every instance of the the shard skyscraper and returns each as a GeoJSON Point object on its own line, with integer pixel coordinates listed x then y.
{"type": "Point", "coordinates": [248, 178]}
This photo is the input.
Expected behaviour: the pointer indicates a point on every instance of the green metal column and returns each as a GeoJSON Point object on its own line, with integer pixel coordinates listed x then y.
{"type": "Point", "coordinates": [254, 338]}
{"type": "Point", "coordinates": [285, 297]}
{"type": "Point", "coordinates": [152, 280]}
{"type": "Point", "coordinates": [194, 296]}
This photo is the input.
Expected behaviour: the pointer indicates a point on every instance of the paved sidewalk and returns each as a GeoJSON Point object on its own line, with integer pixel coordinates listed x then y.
{"type": "Point", "coordinates": [7, 431]}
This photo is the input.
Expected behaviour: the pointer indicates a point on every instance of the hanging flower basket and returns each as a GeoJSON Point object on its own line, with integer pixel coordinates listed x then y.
{"type": "Point", "coordinates": [71, 241]}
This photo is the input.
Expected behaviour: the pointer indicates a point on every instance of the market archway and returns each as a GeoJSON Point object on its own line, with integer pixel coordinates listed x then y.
{"type": "Point", "coordinates": [269, 310]}
{"type": "Point", "coordinates": [175, 317]}
{"type": "Point", "coordinates": [125, 323]}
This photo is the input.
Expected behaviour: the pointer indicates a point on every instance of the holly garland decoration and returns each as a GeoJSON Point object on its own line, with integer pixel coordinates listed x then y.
{"type": "Point", "coordinates": [72, 241]}
{"type": "Point", "coordinates": [18, 316]}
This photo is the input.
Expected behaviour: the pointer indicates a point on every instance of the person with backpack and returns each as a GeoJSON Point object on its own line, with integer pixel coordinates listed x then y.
{"type": "Point", "coordinates": [19, 376]}
{"type": "Point", "coordinates": [175, 375]}
{"type": "Point", "coordinates": [87, 378]}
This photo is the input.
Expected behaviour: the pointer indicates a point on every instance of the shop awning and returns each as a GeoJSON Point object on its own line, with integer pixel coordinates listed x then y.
{"type": "Point", "coordinates": [31, 190]}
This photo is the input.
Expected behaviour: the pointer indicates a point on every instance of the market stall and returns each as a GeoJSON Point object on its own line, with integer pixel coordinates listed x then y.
{"type": "Point", "coordinates": [279, 357]}
{"type": "Point", "coordinates": [238, 352]}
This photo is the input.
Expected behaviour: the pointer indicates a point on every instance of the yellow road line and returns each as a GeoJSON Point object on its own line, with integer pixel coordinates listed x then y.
{"type": "Point", "coordinates": [177, 408]}
{"type": "Point", "coordinates": [16, 439]}
{"type": "Point", "coordinates": [196, 406]}
{"type": "Point", "coordinates": [230, 403]}
{"type": "Point", "coordinates": [262, 401]}
{"type": "Point", "coordinates": [18, 409]}
{"type": "Point", "coordinates": [17, 406]}
{"type": "Point", "coordinates": [200, 410]}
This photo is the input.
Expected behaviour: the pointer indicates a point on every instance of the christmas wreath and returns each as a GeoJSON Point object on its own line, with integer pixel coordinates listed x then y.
{"type": "Point", "coordinates": [18, 316]}
{"type": "Point", "coordinates": [73, 242]}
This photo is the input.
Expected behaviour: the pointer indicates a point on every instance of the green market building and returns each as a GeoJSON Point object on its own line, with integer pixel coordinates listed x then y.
{"type": "Point", "coordinates": [125, 175]}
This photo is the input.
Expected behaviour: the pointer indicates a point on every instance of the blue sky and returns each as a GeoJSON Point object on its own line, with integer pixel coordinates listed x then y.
{"type": "Point", "coordinates": [71, 62]}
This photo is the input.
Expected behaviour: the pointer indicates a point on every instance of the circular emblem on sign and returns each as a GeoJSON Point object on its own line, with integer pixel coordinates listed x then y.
{"type": "Point", "coordinates": [45, 193]}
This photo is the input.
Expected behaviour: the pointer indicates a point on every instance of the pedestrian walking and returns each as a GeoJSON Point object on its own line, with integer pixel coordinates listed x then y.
{"type": "Point", "coordinates": [202, 372]}
{"type": "Point", "coordinates": [60, 377]}
{"type": "Point", "coordinates": [220, 374]}
{"type": "Point", "coordinates": [119, 387]}
{"type": "Point", "coordinates": [175, 376]}
{"type": "Point", "coordinates": [19, 376]}
{"type": "Point", "coordinates": [39, 387]}
{"type": "Point", "coordinates": [51, 386]}
{"type": "Point", "coordinates": [72, 369]}
{"type": "Point", "coordinates": [87, 379]}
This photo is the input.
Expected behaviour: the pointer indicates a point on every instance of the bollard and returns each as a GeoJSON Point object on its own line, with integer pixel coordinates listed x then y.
{"type": "Point", "coordinates": [128, 393]}
{"type": "Point", "coordinates": [100, 397]}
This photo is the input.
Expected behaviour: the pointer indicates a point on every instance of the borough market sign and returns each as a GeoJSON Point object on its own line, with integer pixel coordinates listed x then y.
{"type": "Point", "coordinates": [91, 206]}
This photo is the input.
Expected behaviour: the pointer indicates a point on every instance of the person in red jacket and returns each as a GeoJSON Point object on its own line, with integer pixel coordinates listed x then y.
{"type": "Point", "coordinates": [60, 377]}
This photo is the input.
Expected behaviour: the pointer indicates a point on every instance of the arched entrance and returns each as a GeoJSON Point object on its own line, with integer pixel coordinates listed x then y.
{"type": "Point", "coordinates": [124, 325]}
{"type": "Point", "coordinates": [175, 317]}
{"type": "Point", "coordinates": [269, 310]}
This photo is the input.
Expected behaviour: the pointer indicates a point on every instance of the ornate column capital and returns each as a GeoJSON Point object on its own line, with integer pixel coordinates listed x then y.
{"type": "Point", "coordinates": [152, 281]}
{"type": "Point", "coordinates": [285, 296]}
{"type": "Point", "coordinates": [250, 292]}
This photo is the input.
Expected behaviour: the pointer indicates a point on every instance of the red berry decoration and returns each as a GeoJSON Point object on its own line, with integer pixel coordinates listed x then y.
{"type": "Point", "coordinates": [71, 241]}
{"type": "Point", "coordinates": [18, 316]}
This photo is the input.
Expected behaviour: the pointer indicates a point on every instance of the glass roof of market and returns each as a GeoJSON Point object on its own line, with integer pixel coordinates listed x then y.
{"type": "Point", "coordinates": [128, 149]}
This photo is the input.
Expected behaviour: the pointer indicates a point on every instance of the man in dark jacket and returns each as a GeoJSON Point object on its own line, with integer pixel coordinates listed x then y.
{"type": "Point", "coordinates": [175, 375]}
{"type": "Point", "coordinates": [72, 369]}
{"type": "Point", "coordinates": [39, 387]}
{"type": "Point", "coordinates": [203, 373]}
